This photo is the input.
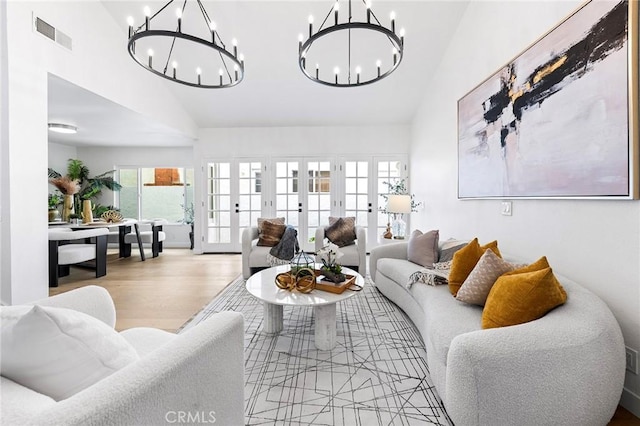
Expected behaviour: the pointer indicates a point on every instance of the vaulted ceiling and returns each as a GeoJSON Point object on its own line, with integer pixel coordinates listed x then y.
{"type": "Point", "coordinates": [274, 91]}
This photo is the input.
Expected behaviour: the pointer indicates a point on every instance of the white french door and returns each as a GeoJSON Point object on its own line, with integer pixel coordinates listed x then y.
{"type": "Point", "coordinates": [233, 201]}
{"type": "Point", "coordinates": [305, 191]}
{"type": "Point", "coordinates": [361, 182]}
{"type": "Point", "coordinates": [303, 195]}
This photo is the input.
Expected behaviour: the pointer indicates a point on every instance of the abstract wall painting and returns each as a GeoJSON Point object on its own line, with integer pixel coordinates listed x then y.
{"type": "Point", "coordinates": [561, 119]}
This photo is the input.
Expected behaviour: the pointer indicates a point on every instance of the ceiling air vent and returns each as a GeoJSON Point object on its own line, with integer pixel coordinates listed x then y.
{"type": "Point", "coordinates": [52, 33]}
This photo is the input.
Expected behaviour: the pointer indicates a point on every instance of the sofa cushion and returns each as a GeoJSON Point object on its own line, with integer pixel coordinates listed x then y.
{"type": "Point", "coordinates": [341, 230]}
{"type": "Point", "coordinates": [270, 232]}
{"type": "Point", "coordinates": [423, 248]}
{"type": "Point", "coordinates": [476, 287]}
{"type": "Point", "coordinates": [258, 256]}
{"type": "Point", "coordinates": [517, 298]}
{"type": "Point", "coordinates": [445, 318]}
{"type": "Point", "coordinates": [19, 403]}
{"type": "Point", "coordinates": [398, 270]}
{"type": "Point", "coordinates": [146, 340]}
{"type": "Point", "coordinates": [58, 352]}
{"type": "Point", "coordinates": [464, 260]}
{"type": "Point", "coordinates": [350, 256]}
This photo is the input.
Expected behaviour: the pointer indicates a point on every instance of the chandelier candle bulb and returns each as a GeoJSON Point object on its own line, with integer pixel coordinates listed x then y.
{"type": "Point", "coordinates": [378, 64]}
{"type": "Point", "coordinates": [310, 25]}
{"type": "Point", "coordinates": [179, 15]}
{"type": "Point", "coordinates": [220, 73]}
{"type": "Point", "coordinates": [402, 36]}
{"type": "Point", "coordinates": [336, 71]}
{"type": "Point", "coordinates": [241, 57]}
{"type": "Point", "coordinates": [317, 70]}
{"type": "Point", "coordinates": [199, 74]}
{"type": "Point", "coordinates": [235, 70]}
{"type": "Point", "coordinates": [368, 12]}
{"type": "Point", "coordinates": [130, 23]}
{"type": "Point", "coordinates": [174, 64]}
{"type": "Point", "coordinates": [212, 27]}
{"type": "Point", "coordinates": [393, 22]}
{"type": "Point", "coordinates": [147, 15]}
{"type": "Point", "coordinates": [150, 53]}
{"type": "Point", "coordinates": [300, 41]}
{"type": "Point", "coordinates": [395, 55]}
{"type": "Point", "coordinates": [335, 13]}
{"type": "Point", "coordinates": [358, 71]}
{"type": "Point", "coordinates": [234, 42]}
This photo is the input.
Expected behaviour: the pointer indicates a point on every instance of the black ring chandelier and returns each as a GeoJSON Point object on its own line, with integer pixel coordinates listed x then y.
{"type": "Point", "coordinates": [230, 73]}
{"type": "Point", "coordinates": [396, 43]}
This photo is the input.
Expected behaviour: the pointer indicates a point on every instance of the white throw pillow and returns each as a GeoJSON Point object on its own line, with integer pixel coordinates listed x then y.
{"type": "Point", "coordinates": [59, 352]}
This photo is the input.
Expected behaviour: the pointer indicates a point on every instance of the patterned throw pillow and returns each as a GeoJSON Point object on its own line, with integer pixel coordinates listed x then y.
{"type": "Point", "coordinates": [523, 295]}
{"type": "Point", "coordinates": [464, 260]}
{"type": "Point", "coordinates": [422, 249]}
{"type": "Point", "coordinates": [477, 286]}
{"type": "Point", "coordinates": [270, 231]}
{"type": "Point", "coordinates": [341, 230]}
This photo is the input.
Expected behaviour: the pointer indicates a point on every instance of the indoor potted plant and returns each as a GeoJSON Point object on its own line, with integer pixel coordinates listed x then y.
{"type": "Point", "coordinates": [55, 199]}
{"type": "Point", "coordinates": [331, 269]}
{"type": "Point", "coordinates": [88, 188]}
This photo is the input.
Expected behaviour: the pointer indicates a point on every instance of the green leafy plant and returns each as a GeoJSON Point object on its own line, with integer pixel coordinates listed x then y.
{"type": "Point", "coordinates": [189, 214]}
{"type": "Point", "coordinates": [90, 187]}
{"type": "Point", "coordinates": [55, 199]}
{"type": "Point", "coordinates": [399, 187]}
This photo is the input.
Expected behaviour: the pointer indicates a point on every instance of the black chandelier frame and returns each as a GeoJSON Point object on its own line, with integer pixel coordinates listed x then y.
{"type": "Point", "coordinates": [396, 41]}
{"type": "Point", "coordinates": [144, 31]}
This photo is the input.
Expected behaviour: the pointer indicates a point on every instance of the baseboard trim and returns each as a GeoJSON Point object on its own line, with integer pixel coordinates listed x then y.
{"type": "Point", "coordinates": [630, 401]}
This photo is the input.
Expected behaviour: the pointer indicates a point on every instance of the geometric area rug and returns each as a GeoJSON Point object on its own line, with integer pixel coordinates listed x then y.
{"type": "Point", "coordinates": [376, 374]}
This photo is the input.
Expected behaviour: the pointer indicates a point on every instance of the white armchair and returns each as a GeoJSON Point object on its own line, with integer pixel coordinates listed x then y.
{"type": "Point", "coordinates": [254, 257]}
{"type": "Point", "coordinates": [355, 255]}
{"type": "Point", "coordinates": [66, 248]}
{"type": "Point", "coordinates": [148, 232]}
{"type": "Point", "coordinates": [199, 372]}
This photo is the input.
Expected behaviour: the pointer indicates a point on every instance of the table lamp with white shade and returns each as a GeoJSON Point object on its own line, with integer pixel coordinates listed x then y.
{"type": "Point", "coordinates": [398, 204]}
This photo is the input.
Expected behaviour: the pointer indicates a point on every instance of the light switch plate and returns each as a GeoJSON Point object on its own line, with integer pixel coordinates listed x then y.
{"type": "Point", "coordinates": [506, 208]}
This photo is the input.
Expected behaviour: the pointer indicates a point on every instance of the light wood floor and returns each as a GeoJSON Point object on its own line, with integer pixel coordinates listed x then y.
{"type": "Point", "coordinates": [162, 292]}
{"type": "Point", "coordinates": [167, 291]}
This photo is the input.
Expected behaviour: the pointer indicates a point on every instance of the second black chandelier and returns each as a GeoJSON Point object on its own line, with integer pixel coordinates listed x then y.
{"type": "Point", "coordinates": [366, 48]}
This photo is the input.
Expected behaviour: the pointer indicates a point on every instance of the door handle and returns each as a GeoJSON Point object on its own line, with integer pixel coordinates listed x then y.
{"type": "Point", "coordinates": [237, 208]}
{"type": "Point", "coordinates": [299, 207]}
{"type": "Point", "coordinates": [370, 208]}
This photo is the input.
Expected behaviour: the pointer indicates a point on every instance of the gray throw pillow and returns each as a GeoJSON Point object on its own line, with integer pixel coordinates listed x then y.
{"type": "Point", "coordinates": [423, 248]}
{"type": "Point", "coordinates": [341, 231]}
{"type": "Point", "coordinates": [447, 252]}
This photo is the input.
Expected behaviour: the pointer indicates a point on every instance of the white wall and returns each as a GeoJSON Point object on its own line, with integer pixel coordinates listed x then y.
{"type": "Point", "coordinates": [99, 62]}
{"type": "Point", "coordinates": [596, 243]}
{"type": "Point", "coordinates": [59, 156]}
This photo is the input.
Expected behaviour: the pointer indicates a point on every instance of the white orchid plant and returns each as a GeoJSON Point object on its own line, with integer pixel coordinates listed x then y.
{"type": "Point", "coordinates": [329, 255]}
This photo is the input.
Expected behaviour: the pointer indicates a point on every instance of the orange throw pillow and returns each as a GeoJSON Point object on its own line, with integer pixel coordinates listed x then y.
{"type": "Point", "coordinates": [517, 298]}
{"type": "Point", "coordinates": [465, 259]}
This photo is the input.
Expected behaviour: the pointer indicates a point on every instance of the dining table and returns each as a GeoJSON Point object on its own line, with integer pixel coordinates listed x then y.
{"type": "Point", "coordinates": [124, 227]}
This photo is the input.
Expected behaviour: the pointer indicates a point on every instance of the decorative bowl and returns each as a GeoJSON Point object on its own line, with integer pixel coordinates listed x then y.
{"type": "Point", "coordinates": [112, 216]}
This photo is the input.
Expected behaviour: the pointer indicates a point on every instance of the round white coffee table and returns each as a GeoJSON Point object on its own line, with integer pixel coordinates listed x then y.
{"type": "Point", "coordinates": [262, 286]}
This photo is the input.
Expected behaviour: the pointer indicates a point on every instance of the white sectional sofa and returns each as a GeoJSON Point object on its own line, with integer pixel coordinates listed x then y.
{"type": "Point", "coordinates": [197, 375]}
{"type": "Point", "coordinates": [566, 368]}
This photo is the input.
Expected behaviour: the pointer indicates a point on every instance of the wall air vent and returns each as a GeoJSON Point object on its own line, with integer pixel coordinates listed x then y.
{"type": "Point", "coordinates": [52, 33]}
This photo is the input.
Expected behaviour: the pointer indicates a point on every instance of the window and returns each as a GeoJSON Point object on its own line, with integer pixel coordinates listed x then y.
{"type": "Point", "coordinates": [149, 193]}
